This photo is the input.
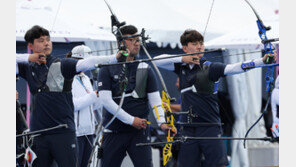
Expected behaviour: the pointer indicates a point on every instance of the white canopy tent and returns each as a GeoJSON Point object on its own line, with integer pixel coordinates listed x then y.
{"type": "Point", "coordinates": [164, 20]}
{"type": "Point", "coordinates": [30, 13]}
{"type": "Point", "coordinates": [246, 38]}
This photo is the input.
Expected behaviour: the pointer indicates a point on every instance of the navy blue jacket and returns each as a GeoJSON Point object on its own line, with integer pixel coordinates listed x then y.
{"type": "Point", "coordinates": [50, 108]}
{"type": "Point", "coordinates": [109, 79]}
{"type": "Point", "coordinates": [204, 105]}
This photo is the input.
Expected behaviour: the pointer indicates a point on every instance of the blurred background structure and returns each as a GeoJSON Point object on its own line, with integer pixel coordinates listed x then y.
{"type": "Point", "coordinates": [232, 25]}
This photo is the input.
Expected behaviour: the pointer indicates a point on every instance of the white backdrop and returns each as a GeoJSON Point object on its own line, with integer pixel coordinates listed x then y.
{"type": "Point", "coordinates": [165, 20]}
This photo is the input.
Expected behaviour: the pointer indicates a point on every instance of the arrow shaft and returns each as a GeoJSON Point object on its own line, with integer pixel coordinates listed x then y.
{"type": "Point", "coordinates": [43, 130]}
{"type": "Point", "coordinates": [185, 138]}
{"type": "Point", "coordinates": [160, 58]}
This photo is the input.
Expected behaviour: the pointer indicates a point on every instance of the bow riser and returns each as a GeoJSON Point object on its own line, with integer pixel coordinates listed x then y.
{"type": "Point", "coordinates": [263, 37]}
{"type": "Point", "coordinates": [166, 151]}
{"type": "Point", "coordinates": [267, 50]}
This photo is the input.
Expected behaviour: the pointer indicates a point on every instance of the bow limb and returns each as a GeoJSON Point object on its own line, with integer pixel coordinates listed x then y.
{"type": "Point", "coordinates": [157, 71]}
{"type": "Point", "coordinates": [166, 99]}
{"type": "Point", "coordinates": [124, 81]}
{"type": "Point", "coordinates": [269, 74]}
{"type": "Point", "coordinates": [121, 46]}
{"type": "Point", "coordinates": [100, 131]}
{"type": "Point", "coordinates": [166, 151]}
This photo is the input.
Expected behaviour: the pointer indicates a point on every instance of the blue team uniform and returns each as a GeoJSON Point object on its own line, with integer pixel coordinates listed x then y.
{"type": "Point", "coordinates": [50, 85]}
{"type": "Point", "coordinates": [204, 103]}
{"type": "Point", "coordinates": [123, 137]}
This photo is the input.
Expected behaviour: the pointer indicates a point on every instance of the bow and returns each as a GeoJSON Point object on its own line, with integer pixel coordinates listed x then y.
{"type": "Point", "coordinates": [166, 99]}
{"type": "Point", "coordinates": [267, 50]}
{"type": "Point", "coordinates": [160, 58]}
{"type": "Point", "coordinates": [169, 117]}
{"type": "Point", "coordinates": [167, 149]}
{"type": "Point", "coordinates": [143, 44]}
{"type": "Point", "coordinates": [123, 79]}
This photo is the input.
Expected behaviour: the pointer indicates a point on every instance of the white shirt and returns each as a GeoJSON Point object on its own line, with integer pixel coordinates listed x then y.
{"type": "Point", "coordinates": [85, 102]}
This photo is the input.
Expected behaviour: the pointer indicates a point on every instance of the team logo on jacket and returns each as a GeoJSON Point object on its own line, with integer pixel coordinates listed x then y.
{"type": "Point", "coordinates": [73, 145]}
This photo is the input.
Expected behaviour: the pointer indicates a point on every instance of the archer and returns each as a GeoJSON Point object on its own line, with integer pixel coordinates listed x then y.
{"type": "Point", "coordinates": [199, 81]}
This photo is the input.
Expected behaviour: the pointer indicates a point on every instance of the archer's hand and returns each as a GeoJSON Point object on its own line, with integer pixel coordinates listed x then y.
{"type": "Point", "coordinates": [193, 59]}
{"type": "Point", "coordinates": [37, 58]}
{"type": "Point", "coordinates": [97, 93]}
{"type": "Point", "coordinates": [164, 127]}
{"type": "Point", "coordinates": [120, 55]}
{"type": "Point", "coordinates": [268, 56]}
{"type": "Point", "coordinates": [139, 123]}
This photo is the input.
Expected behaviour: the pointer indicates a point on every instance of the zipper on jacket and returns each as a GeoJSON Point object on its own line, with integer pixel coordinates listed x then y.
{"type": "Point", "coordinates": [91, 115]}
{"type": "Point", "coordinates": [78, 118]}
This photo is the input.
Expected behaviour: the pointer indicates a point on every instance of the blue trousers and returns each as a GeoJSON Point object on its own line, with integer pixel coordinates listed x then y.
{"type": "Point", "coordinates": [84, 149]}
{"type": "Point", "coordinates": [116, 145]}
{"type": "Point", "coordinates": [191, 151]}
{"type": "Point", "coordinates": [61, 147]}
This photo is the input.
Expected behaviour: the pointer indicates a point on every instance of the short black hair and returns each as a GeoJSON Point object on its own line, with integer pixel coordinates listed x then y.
{"type": "Point", "coordinates": [190, 35]}
{"type": "Point", "coordinates": [69, 55]}
{"type": "Point", "coordinates": [34, 33]}
{"type": "Point", "coordinates": [128, 29]}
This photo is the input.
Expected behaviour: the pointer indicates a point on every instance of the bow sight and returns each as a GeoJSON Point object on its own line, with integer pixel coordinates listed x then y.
{"type": "Point", "coordinates": [119, 37]}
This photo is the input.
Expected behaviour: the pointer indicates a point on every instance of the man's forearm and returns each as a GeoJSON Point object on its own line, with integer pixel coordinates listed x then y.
{"type": "Point", "coordinates": [154, 99]}
{"type": "Point", "coordinates": [112, 107]}
{"type": "Point", "coordinates": [167, 64]}
{"type": "Point", "coordinates": [238, 68]}
{"type": "Point", "coordinates": [89, 63]}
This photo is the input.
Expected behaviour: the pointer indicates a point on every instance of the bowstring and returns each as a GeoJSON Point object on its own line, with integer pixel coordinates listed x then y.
{"type": "Point", "coordinates": [208, 19]}
{"type": "Point", "coordinates": [56, 15]}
